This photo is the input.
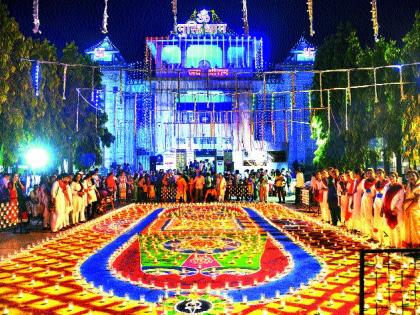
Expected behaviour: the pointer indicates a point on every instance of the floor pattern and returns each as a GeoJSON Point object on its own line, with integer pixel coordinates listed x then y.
{"type": "Point", "coordinates": [204, 259]}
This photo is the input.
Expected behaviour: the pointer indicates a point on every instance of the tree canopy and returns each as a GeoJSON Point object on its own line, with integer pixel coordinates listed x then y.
{"type": "Point", "coordinates": [47, 119]}
{"type": "Point", "coordinates": [381, 122]}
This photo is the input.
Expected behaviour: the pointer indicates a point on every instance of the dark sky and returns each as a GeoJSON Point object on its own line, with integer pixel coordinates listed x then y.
{"type": "Point", "coordinates": [279, 22]}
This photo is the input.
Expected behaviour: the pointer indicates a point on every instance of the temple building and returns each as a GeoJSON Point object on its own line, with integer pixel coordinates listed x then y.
{"type": "Point", "coordinates": [202, 94]}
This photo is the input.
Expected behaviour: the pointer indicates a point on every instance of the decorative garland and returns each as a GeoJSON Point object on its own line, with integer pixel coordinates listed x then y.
{"type": "Point", "coordinates": [401, 84]}
{"type": "Point", "coordinates": [245, 17]}
{"type": "Point", "coordinates": [35, 14]}
{"type": "Point", "coordinates": [105, 19]}
{"type": "Point", "coordinates": [36, 77]}
{"type": "Point", "coordinates": [348, 97]}
{"type": "Point", "coordinates": [175, 12]}
{"type": "Point", "coordinates": [64, 81]}
{"type": "Point", "coordinates": [273, 124]}
{"type": "Point", "coordinates": [329, 110]}
{"type": "Point", "coordinates": [375, 19]}
{"type": "Point", "coordinates": [375, 86]}
{"type": "Point", "coordinates": [311, 17]}
{"type": "Point", "coordinates": [348, 102]}
{"type": "Point", "coordinates": [292, 99]}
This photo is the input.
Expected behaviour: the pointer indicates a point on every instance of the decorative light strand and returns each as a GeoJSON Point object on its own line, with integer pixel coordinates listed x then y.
{"type": "Point", "coordinates": [321, 97]}
{"type": "Point", "coordinates": [348, 103]}
{"type": "Point", "coordinates": [175, 12]}
{"type": "Point", "coordinates": [37, 23]}
{"type": "Point", "coordinates": [105, 19]}
{"type": "Point", "coordinates": [245, 17]}
{"type": "Point", "coordinates": [311, 17]}
{"type": "Point", "coordinates": [64, 81]}
{"type": "Point", "coordinates": [273, 125]}
{"type": "Point", "coordinates": [375, 85]}
{"type": "Point", "coordinates": [36, 79]}
{"type": "Point", "coordinates": [329, 110]}
{"type": "Point", "coordinates": [135, 117]}
{"type": "Point", "coordinates": [375, 19]}
{"type": "Point", "coordinates": [77, 110]}
{"type": "Point", "coordinates": [348, 98]}
{"type": "Point", "coordinates": [401, 84]}
{"type": "Point", "coordinates": [292, 99]}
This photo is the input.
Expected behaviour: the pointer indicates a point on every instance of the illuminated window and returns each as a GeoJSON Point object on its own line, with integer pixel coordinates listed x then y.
{"type": "Point", "coordinates": [203, 56]}
{"type": "Point", "coordinates": [236, 56]}
{"type": "Point", "coordinates": [171, 55]}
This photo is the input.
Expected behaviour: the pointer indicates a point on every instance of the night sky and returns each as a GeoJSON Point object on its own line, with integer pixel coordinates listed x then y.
{"type": "Point", "coordinates": [279, 22]}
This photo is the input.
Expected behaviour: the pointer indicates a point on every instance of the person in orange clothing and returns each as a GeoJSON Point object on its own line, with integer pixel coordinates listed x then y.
{"type": "Point", "coordinates": [111, 185]}
{"type": "Point", "coordinates": [181, 188]}
{"type": "Point", "coordinates": [199, 182]}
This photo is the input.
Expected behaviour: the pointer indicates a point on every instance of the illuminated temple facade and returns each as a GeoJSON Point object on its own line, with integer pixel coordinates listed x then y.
{"type": "Point", "coordinates": [204, 95]}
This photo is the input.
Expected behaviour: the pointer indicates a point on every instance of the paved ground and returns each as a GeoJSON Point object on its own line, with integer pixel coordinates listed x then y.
{"type": "Point", "coordinates": [11, 241]}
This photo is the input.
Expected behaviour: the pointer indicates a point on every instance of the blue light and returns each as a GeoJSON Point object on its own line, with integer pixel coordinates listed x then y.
{"type": "Point", "coordinates": [36, 77]}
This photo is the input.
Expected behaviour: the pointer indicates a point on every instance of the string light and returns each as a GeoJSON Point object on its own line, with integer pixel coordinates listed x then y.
{"type": "Point", "coordinates": [175, 12]}
{"type": "Point", "coordinates": [329, 110]}
{"type": "Point", "coordinates": [292, 99]}
{"type": "Point", "coordinates": [105, 19]}
{"type": "Point", "coordinates": [311, 17]}
{"type": "Point", "coordinates": [245, 17]}
{"type": "Point", "coordinates": [36, 78]}
{"type": "Point", "coordinates": [348, 102]}
{"type": "Point", "coordinates": [401, 83]}
{"type": "Point", "coordinates": [348, 97]}
{"type": "Point", "coordinates": [273, 125]}
{"type": "Point", "coordinates": [375, 20]}
{"type": "Point", "coordinates": [375, 85]}
{"type": "Point", "coordinates": [64, 81]}
{"type": "Point", "coordinates": [37, 23]}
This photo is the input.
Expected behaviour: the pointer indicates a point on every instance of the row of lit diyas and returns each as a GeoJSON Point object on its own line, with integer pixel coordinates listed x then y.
{"type": "Point", "coordinates": [280, 212]}
{"type": "Point", "coordinates": [268, 210]}
{"type": "Point", "coordinates": [244, 298]}
{"type": "Point", "coordinates": [63, 235]}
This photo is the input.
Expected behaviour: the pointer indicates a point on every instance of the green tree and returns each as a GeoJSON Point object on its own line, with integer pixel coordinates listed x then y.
{"type": "Point", "coordinates": [46, 119]}
{"type": "Point", "coordinates": [386, 105]}
{"type": "Point", "coordinates": [338, 145]}
{"type": "Point", "coordinates": [84, 144]}
{"type": "Point", "coordinates": [411, 116]}
{"type": "Point", "coordinates": [15, 105]}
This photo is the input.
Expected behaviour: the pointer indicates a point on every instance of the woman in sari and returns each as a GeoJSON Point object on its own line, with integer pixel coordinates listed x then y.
{"type": "Point", "coordinates": [411, 236]}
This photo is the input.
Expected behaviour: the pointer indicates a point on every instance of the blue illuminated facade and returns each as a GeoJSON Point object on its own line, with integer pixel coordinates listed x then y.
{"type": "Point", "coordinates": [204, 95]}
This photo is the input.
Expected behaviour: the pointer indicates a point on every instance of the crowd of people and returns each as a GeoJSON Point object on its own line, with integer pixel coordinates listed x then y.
{"type": "Point", "coordinates": [367, 202]}
{"type": "Point", "coordinates": [65, 200]}
{"type": "Point", "coordinates": [198, 184]}
{"type": "Point", "coordinates": [60, 200]}
{"type": "Point", "coordinates": [371, 203]}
